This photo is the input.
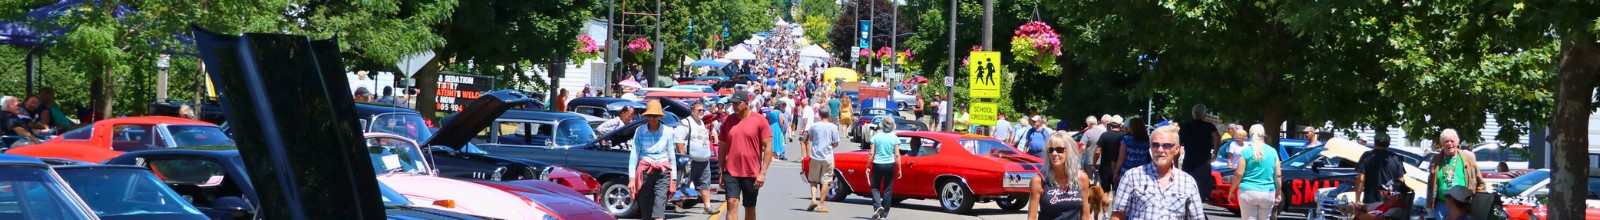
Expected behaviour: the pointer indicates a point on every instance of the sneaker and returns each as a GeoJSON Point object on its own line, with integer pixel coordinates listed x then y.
{"type": "Point", "coordinates": [710, 211]}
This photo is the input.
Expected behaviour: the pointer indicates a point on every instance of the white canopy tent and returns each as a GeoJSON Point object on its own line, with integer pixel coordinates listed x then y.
{"type": "Point", "coordinates": [814, 51]}
{"type": "Point", "coordinates": [739, 54]}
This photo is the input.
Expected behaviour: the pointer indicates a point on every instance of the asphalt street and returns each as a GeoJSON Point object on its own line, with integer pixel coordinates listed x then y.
{"type": "Point", "coordinates": [786, 195]}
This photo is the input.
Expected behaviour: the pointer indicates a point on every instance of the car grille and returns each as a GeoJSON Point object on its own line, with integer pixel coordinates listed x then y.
{"type": "Point", "coordinates": [1328, 208]}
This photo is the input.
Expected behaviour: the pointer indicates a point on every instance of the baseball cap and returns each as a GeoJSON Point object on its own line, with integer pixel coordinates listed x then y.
{"type": "Point", "coordinates": [740, 96]}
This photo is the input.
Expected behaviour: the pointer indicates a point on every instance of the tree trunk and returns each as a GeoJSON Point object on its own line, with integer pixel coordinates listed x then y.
{"type": "Point", "coordinates": [1580, 59]}
{"type": "Point", "coordinates": [428, 83]}
{"type": "Point", "coordinates": [1272, 116]}
{"type": "Point", "coordinates": [108, 94]}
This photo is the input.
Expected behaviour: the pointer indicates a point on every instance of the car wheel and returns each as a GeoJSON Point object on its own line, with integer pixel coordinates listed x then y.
{"type": "Point", "coordinates": [839, 189]}
{"type": "Point", "coordinates": [955, 197]}
{"type": "Point", "coordinates": [1012, 204]}
{"type": "Point", "coordinates": [617, 199]}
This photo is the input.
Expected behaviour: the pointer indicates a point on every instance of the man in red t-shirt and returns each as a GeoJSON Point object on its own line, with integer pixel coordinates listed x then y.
{"type": "Point", "coordinates": [747, 138]}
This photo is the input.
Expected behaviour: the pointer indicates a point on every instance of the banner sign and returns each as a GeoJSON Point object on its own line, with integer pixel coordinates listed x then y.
{"type": "Point", "coordinates": [457, 90]}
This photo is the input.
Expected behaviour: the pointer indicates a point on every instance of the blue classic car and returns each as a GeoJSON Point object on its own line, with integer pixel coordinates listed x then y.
{"type": "Point", "coordinates": [130, 192]}
{"type": "Point", "coordinates": [559, 138]}
{"type": "Point", "coordinates": [35, 192]}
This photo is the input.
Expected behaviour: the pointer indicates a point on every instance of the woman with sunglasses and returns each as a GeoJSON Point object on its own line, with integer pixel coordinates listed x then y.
{"type": "Point", "coordinates": [1057, 191]}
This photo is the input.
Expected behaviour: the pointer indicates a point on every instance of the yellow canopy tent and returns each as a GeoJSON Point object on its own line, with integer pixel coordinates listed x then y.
{"type": "Point", "coordinates": [847, 74]}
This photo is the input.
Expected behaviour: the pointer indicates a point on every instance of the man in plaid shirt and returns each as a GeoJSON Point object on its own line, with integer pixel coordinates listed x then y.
{"type": "Point", "coordinates": [1153, 191]}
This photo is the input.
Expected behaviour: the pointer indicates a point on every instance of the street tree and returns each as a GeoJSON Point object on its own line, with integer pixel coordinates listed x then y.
{"type": "Point", "coordinates": [502, 38]}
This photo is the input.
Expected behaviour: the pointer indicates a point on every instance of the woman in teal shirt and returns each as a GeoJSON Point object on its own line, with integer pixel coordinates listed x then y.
{"type": "Point", "coordinates": [885, 166]}
{"type": "Point", "coordinates": [1258, 177]}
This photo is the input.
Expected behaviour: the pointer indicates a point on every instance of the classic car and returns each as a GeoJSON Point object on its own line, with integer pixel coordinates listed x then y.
{"type": "Point", "coordinates": [1522, 195]}
{"type": "Point", "coordinates": [34, 191]}
{"type": "Point", "coordinates": [901, 124]}
{"type": "Point", "coordinates": [1328, 165]}
{"type": "Point", "coordinates": [523, 135]}
{"type": "Point", "coordinates": [973, 168]}
{"type": "Point", "coordinates": [111, 137]}
{"type": "Point", "coordinates": [468, 162]}
{"type": "Point", "coordinates": [868, 110]}
{"type": "Point", "coordinates": [131, 192]}
{"type": "Point", "coordinates": [214, 180]}
{"type": "Point", "coordinates": [401, 164]}
{"type": "Point", "coordinates": [597, 106]}
{"type": "Point", "coordinates": [701, 88]}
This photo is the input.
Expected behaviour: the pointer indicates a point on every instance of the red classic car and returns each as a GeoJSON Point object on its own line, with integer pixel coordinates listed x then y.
{"type": "Point", "coordinates": [111, 137]}
{"type": "Point", "coordinates": [972, 168]}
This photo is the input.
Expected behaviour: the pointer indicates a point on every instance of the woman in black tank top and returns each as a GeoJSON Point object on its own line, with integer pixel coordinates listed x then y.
{"type": "Point", "coordinates": [1056, 191]}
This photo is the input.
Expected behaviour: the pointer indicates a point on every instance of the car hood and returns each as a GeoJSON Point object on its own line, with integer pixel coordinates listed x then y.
{"type": "Point", "coordinates": [470, 198]}
{"type": "Point", "coordinates": [455, 133]}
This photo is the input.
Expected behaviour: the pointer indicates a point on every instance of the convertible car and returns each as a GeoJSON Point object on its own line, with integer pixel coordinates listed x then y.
{"type": "Point", "coordinates": [456, 158]}
{"type": "Point", "coordinates": [970, 169]}
{"type": "Point", "coordinates": [111, 137]}
{"type": "Point", "coordinates": [32, 190]}
{"type": "Point", "coordinates": [1328, 165]}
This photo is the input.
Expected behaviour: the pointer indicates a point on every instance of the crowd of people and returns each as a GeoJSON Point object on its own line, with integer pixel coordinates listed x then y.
{"type": "Point", "coordinates": [1115, 167]}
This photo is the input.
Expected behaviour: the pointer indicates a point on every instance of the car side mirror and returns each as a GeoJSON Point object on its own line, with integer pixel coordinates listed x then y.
{"type": "Point", "coordinates": [1316, 166]}
{"type": "Point", "coordinates": [550, 143]}
{"type": "Point", "coordinates": [363, 125]}
{"type": "Point", "coordinates": [441, 150]}
{"type": "Point", "coordinates": [233, 204]}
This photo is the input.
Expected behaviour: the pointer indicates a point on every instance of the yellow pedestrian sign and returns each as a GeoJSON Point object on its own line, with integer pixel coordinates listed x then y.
{"type": "Point", "coordinates": [984, 74]}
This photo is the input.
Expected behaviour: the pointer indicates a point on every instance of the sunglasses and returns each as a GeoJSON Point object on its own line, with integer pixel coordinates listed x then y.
{"type": "Point", "coordinates": [1058, 150]}
{"type": "Point", "coordinates": [1163, 146]}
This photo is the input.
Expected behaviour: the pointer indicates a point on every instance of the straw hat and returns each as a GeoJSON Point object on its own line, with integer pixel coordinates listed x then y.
{"type": "Point", "coordinates": [653, 108]}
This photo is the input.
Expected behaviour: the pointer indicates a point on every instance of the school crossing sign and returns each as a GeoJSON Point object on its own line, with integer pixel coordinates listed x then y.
{"type": "Point", "coordinates": [983, 82]}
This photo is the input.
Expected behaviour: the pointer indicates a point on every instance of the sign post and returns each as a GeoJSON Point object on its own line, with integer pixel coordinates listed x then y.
{"type": "Point", "coordinates": [983, 81]}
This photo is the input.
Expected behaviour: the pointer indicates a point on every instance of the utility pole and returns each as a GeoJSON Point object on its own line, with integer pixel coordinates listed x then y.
{"type": "Point", "coordinates": [988, 25]}
{"type": "Point", "coordinates": [656, 69]}
{"type": "Point", "coordinates": [611, 45]}
{"type": "Point", "coordinates": [894, 39]}
{"type": "Point", "coordinates": [949, 88]}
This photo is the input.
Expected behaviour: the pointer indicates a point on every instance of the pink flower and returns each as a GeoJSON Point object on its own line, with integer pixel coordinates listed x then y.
{"type": "Point", "coordinates": [865, 52]}
{"type": "Point", "coordinates": [639, 45]}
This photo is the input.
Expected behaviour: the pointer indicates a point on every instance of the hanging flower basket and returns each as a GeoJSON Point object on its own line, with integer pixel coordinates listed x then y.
{"type": "Point", "coordinates": [585, 48]}
{"type": "Point", "coordinates": [638, 47]}
{"type": "Point", "coordinates": [1037, 43]}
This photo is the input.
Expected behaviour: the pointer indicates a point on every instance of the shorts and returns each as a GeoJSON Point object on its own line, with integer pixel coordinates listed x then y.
{"type": "Point", "coordinates": [819, 172]}
{"type": "Point", "coordinates": [743, 188]}
{"type": "Point", "coordinates": [700, 174]}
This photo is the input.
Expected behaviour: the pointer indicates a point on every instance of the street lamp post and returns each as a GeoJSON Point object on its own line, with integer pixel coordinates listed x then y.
{"type": "Point", "coordinates": [162, 64]}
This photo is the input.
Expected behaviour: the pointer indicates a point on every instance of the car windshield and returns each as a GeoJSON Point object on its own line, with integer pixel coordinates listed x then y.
{"type": "Point", "coordinates": [987, 147]}
{"type": "Point", "coordinates": [574, 132]}
{"type": "Point", "coordinates": [1496, 154]}
{"type": "Point", "coordinates": [396, 155]}
{"type": "Point", "coordinates": [908, 127]}
{"type": "Point", "coordinates": [127, 193]}
{"type": "Point", "coordinates": [391, 197]}
{"type": "Point", "coordinates": [199, 135]}
{"type": "Point", "coordinates": [1522, 183]}
{"type": "Point", "coordinates": [33, 193]}
{"type": "Point", "coordinates": [1304, 157]}
{"type": "Point", "coordinates": [404, 124]}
